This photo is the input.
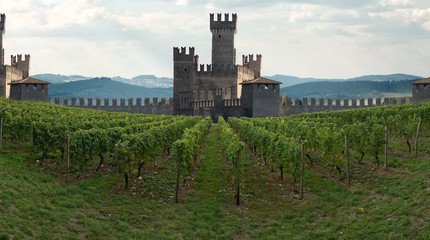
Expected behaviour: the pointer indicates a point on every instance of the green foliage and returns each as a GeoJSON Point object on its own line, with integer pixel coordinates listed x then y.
{"type": "Point", "coordinates": [279, 149]}
{"type": "Point", "coordinates": [188, 147]}
{"type": "Point", "coordinates": [230, 143]}
{"type": "Point", "coordinates": [93, 134]}
{"type": "Point", "coordinates": [4, 236]}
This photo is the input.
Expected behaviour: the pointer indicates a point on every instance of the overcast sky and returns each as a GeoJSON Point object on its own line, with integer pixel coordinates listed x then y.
{"type": "Point", "coordinates": [310, 38]}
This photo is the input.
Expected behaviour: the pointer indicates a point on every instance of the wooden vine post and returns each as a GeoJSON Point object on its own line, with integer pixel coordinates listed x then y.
{"type": "Point", "coordinates": [386, 149]}
{"type": "Point", "coordinates": [178, 175]}
{"type": "Point", "coordinates": [68, 158]}
{"type": "Point", "coordinates": [238, 178]}
{"type": "Point", "coordinates": [302, 170]}
{"type": "Point", "coordinates": [117, 168]}
{"type": "Point", "coordinates": [31, 145]}
{"type": "Point", "coordinates": [416, 138]}
{"type": "Point", "coordinates": [348, 177]}
{"type": "Point", "coordinates": [1, 134]}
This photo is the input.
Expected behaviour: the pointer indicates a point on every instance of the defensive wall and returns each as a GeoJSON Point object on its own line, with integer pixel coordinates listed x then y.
{"type": "Point", "coordinates": [224, 107]}
{"type": "Point", "coordinates": [113, 105]}
{"type": "Point", "coordinates": [303, 105]}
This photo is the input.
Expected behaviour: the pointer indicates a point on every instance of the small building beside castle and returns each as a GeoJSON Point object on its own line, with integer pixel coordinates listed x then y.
{"type": "Point", "coordinates": [421, 90]}
{"type": "Point", "coordinates": [217, 89]}
{"type": "Point", "coordinates": [15, 81]}
{"type": "Point", "coordinates": [29, 89]}
{"type": "Point", "coordinates": [258, 95]}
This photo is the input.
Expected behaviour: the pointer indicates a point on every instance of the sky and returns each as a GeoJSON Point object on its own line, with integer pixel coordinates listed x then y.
{"type": "Point", "coordinates": [309, 38]}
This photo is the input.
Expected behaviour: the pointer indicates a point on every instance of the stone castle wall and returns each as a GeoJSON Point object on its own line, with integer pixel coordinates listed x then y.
{"type": "Point", "coordinates": [113, 105]}
{"type": "Point", "coordinates": [288, 108]}
{"type": "Point", "coordinates": [225, 107]}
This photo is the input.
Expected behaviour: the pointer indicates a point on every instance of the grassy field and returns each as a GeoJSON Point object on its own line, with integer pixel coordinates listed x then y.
{"type": "Point", "coordinates": [35, 204]}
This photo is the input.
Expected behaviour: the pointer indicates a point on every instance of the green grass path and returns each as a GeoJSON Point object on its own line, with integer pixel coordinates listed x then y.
{"type": "Point", "coordinates": [209, 196]}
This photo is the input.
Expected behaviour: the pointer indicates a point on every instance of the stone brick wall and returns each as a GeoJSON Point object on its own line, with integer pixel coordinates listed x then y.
{"type": "Point", "coordinates": [224, 107]}
{"type": "Point", "coordinates": [420, 92]}
{"type": "Point", "coordinates": [8, 75]}
{"type": "Point", "coordinates": [318, 105]}
{"type": "Point", "coordinates": [112, 105]}
{"type": "Point", "coordinates": [29, 92]}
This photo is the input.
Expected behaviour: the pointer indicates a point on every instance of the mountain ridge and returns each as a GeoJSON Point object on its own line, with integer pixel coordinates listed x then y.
{"type": "Point", "coordinates": [350, 89]}
{"type": "Point", "coordinates": [105, 88]}
{"type": "Point", "coordinates": [359, 87]}
{"type": "Point", "coordinates": [152, 81]}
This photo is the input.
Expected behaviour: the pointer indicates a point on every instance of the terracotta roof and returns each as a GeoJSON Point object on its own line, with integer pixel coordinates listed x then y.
{"type": "Point", "coordinates": [261, 80]}
{"type": "Point", "coordinates": [425, 80]}
{"type": "Point", "coordinates": [29, 81]}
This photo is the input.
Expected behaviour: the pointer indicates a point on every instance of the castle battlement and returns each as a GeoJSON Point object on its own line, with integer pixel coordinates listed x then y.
{"type": "Point", "coordinates": [254, 64]}
{"type": "Point", "coordinates": [210, 68]}
{"type": "Point", "coordinates": [15, 60]}
{"type": "Point", "coordinates": [233, 102]}
{"type": "Point", "coordinates": [202, 69]}
{"type": "Point", "coordinates": [220, 25]}
{"type": "Point", "coordinates": [22, 65]}
{"type": "Point", "coordinates": [203, 104]}
{"type": "Point", "coordinates": [124, 105]}
{"type": "Point", "coordinates": [182, 55]}
{"type": "Point", "coordinates": [321, 104]}
{"type": "Point", "coordinates": [250, 59]}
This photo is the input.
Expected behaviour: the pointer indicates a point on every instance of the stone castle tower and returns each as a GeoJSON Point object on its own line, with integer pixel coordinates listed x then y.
{"type": "Point", "coordinates": [194, 83]}
{"type": "Point", "coordinates": [223, 51]}
{"type": "Point", "coordinates": [2, 31]}
{"type": "Point", "coordinates": [15, 80]}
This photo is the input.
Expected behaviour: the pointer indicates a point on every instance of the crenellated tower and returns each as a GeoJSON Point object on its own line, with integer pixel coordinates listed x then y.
{"type": "Point", "coordinates": [184, 68]}
{"type": "Point", "coordinates": [223, 31]}
{"type": "Point", "coordinates": [2, 31]}
{"type": "Point", "coordinates": [249, 62]}
{"type": "Point", "coordinates": [23, 65]}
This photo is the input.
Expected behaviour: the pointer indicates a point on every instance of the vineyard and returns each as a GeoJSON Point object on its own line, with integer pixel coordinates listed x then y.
{"type": "Point", "coordinates": [94, 174]}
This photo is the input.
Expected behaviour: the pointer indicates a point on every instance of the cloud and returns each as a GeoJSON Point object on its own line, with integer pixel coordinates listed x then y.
{"type": "Point", "coordinates": [51, 15]}
{"type": "Point", "coordinates": [72, 12]}
{"type": "Point", "coordinates": [16, 6]}
{"type": "Point", "coordinates": [181, 2]}
{"type": "Point", "coordinates": [406, 16]}
{"type": "Point", "coordinates": [287, 32]}
{"type": "Point", "coordinates": [300, 12]}
{"type": "Point", "coordinates": [161, 23]}
{"type": "Point", "coordinates": [395, 3]}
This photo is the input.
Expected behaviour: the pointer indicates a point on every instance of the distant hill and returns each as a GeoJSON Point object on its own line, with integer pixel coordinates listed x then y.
{"type": "Point", "coordinates": [350, 89]}
{"type": "Point", "coordinates": [151, 81]}
{"type": "Point", "coordinates": [148, 81]}
{"type": "Point", "coordinates": [152, 86]}
{"type": "Point", "coordinates": [105, 88]}
{"type": "Point", "coordinates": [291, 80]}
{"type": "Point", "coordinates": [58, 78]}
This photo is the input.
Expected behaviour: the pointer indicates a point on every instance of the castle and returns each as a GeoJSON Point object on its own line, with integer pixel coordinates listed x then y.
{"type": "Point", "coordinates": [222, 88]}
{"type": "Point", "coordinates": [15, 80]}
{"type": "Point", "coordinates": [226, 89]}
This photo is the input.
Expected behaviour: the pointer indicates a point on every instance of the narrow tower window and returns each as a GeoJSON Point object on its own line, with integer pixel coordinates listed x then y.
{"type": "Point", "coordinates": [219, 36]}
